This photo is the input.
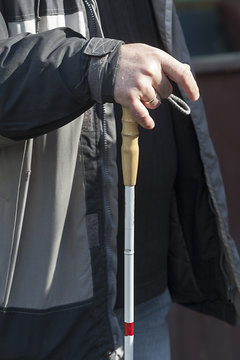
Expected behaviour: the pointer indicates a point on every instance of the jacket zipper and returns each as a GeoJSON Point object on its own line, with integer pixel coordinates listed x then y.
{"type": "Point", "coordinates": [107, 208]}
{"type": "Point", "coordinates": [92, 24]}
{"type": "Point", "coordinates": [93, 32]}
{"type": "Point", "coordinates": [38, 18]}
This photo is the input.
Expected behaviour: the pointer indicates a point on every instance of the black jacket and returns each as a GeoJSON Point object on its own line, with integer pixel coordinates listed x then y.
{"type": "Point", "coordinates": [58, 200]}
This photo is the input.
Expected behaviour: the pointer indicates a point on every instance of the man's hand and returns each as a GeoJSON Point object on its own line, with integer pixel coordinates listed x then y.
{"type": "Point", "coordinates": [143, 80]}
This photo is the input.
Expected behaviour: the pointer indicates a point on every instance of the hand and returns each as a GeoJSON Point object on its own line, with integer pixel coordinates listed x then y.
{"type": "Point", "coordinates": [143, 80]}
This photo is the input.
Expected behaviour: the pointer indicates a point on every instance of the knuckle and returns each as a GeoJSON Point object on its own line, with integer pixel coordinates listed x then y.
{"type": "Point", "coordinates": [187, 68]}
{"type": "Point", "coordinates": [142, 118]}
{"type": "Point", "coordinates": [186, 71]}
{"type": "Point", "coordinates": [151, 68]}
{"type": "Point", "coordinates": [131, 97]}
{"type": "Point", "coordinates": [141, 84]}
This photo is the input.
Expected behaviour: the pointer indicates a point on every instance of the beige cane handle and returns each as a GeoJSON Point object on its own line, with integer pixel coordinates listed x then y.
{"type": "Point", "coordinates": [130, 149]}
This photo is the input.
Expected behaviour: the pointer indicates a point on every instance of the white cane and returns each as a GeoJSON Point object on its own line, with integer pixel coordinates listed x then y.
{"type": "Point", "coordinates": [130, 154]}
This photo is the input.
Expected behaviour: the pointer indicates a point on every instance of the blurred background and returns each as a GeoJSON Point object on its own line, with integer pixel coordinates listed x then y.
{"type": "Point", "coordinates": [212, 32]}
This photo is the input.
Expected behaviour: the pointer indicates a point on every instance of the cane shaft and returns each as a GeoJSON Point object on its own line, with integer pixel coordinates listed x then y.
{"type": "Point", "coordinates": [130, 154]}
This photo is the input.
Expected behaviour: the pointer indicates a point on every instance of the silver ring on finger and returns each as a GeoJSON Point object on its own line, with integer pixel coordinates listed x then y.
{"type": "Point", "coordinates": [151, 101]}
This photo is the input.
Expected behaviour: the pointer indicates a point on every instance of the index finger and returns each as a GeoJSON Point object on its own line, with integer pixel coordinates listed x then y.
{"type": "Point", "coordinates": [181, 74]}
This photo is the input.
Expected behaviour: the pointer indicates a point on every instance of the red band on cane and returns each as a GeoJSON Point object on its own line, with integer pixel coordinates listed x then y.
{"type": "Point", "coordinates": [128, 329]}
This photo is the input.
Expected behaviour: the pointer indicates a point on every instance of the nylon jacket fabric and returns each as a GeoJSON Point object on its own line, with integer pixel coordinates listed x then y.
{"type": "Point", "coordinates": [58, 189]}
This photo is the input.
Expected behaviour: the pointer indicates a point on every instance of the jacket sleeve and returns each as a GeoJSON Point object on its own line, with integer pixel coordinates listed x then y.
{"type": "Point", "coordinates": [48, 79]}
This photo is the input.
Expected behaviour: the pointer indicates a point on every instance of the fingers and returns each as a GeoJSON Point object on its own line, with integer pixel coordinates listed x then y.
{"type": "Point", "coordinates": [181, 74]}
{"type": "Point", "coordinates": [159, 88]}
{"type": "Point", "coordinates": [188, 84]}
{"type": "Point", "coordinates": [154, 100]}
{"type": "Point", "coordinates": [162, 85]}
{"type": "Point", "coordinates": [140, 114]}
{"type": "Point", "coordinates": [143, 80]}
